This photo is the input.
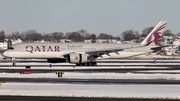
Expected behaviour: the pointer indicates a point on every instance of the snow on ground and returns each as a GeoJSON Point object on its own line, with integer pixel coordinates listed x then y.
{"type": "Point", "coordinates": [162, 71]}
{"type": "Point", "coordinates": [94, 75]}
{"type": "Point", "coordinates": [91, 90]}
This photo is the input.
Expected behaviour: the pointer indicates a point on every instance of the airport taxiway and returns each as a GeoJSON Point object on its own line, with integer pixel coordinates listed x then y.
{"type": "Point", "coordinates": [43, 98]}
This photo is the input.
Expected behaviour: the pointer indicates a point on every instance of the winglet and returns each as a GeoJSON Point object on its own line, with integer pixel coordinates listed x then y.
{"type": "Point", "coordinates": [155, 35]}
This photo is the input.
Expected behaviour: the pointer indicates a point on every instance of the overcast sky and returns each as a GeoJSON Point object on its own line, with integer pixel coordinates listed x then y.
{"type": "Point", "coordinates": [96, 16]}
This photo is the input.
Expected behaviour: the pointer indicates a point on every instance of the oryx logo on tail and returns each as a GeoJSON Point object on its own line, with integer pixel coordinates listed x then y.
{"type": "Point", "coordinates": [155, 34]}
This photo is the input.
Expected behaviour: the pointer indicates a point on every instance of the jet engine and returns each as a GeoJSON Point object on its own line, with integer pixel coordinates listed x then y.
{"type": "Point", "coordinates": [77, 58]}
{"type": "Point", "coordinates": [56, 60]}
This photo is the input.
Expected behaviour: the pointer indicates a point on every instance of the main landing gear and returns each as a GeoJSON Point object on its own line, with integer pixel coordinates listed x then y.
{"type": "Point", "coordinates": [87, 64]}
{"type": "Point", "coordinates": [91, 64]}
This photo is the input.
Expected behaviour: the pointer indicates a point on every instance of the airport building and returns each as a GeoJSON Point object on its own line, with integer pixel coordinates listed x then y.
{"type": "Point", "coordinates": [174, 41]}
{"type": "Point", "coordinates": [3, 45]}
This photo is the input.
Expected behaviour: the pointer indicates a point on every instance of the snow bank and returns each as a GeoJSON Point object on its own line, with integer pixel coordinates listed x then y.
{"type": "Point", "coordinates": [91, 90]}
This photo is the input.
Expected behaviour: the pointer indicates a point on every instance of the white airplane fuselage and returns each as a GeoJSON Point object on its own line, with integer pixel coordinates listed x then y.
{"type": "Point", "coordinates": [58, 50]}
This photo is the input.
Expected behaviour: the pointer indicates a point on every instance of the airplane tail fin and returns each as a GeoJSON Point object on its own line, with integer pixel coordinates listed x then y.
{"type": "Point", "coordinates": [155, 35]}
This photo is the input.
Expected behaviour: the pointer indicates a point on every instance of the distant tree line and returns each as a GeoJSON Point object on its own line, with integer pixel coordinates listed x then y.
{"type": "Point", "coordinates": [131, 34]}
{"type": "Point", "coordinates": [79, 36]}
{"type": "Point", "coordinates": [2, 36]}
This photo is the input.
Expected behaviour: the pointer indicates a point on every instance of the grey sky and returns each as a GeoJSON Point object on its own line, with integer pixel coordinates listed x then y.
{"type": "Point", "coordinates": [96, 16]}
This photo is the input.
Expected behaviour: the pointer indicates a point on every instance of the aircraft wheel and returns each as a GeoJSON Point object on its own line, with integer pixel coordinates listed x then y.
{"type": "Point", "coordinates": [154, 61]}
{"type": "Point", "coordinates": [83, 64]}
{"type": "Point", "coordinates": [77, 64]}
{"type": "Point", "coordinates": [94, 63]}
{"type": "Point", "coordinates": [80, 64]}
{"type": "Point", "coordinates": [89, 63]}
{"type": "Point", "coordinates": [14, 63]}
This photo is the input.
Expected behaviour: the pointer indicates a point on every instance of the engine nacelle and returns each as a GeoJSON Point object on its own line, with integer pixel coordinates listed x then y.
{"type": "Point", "coordinates": [77, 58]}
{"type": "Point", "coordinates": [56, 60]}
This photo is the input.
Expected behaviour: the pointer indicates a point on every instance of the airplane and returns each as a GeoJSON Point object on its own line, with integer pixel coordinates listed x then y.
{"type": "Point", "coordinates": [83, 54]}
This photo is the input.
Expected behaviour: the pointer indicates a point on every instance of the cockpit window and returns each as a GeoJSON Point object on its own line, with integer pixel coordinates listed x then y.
{"type": "Point", "coordinates": [10, 48]}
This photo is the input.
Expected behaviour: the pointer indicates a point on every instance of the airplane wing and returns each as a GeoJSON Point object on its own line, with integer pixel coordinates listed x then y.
{"type": "Point", "coordinates": [159, 48]}
{"type": "Point", "coordinates": [97, 53]}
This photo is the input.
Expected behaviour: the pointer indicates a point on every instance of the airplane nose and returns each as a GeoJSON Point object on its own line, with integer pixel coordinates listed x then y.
{"type": "Point", "coordinates": [6, 54]}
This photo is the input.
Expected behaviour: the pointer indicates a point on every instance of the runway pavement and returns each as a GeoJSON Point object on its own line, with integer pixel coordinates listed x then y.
{"type": "Point", "coordinates": [88, 69]}
{"type": "Point", "coordinates": [105, 61]}
{"type": "Point", "coordinates": [116, 70]}
{"type": "Point", "coordinates": [89, 81]}
{"type": "Point", "coordinates": [112, 63]}
{"type": "Point", "coordinates": [117, 65]}
{"type": "Point", "coordinates": [44, 98]}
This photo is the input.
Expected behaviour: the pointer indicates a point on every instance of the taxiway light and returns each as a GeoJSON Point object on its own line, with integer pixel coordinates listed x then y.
{"type": "Point", "coordinates": [25, 72]}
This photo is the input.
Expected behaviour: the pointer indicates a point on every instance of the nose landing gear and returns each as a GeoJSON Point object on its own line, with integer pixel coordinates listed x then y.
{"type": "Point", "coordinates": [14, 62]}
